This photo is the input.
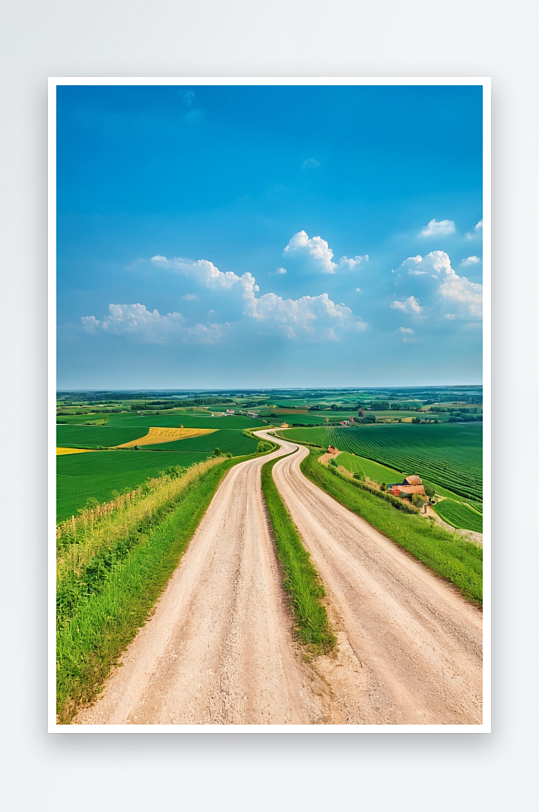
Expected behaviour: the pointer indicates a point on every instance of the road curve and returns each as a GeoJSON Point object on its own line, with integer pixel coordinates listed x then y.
{"type": "Point", "coordinates": [410, 648]}
{"type": "Point", "coordinates": [219, 648]}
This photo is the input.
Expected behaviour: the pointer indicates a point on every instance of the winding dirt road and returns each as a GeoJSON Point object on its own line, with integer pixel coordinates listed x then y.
{"type": "Point", "coordinates": [219, 648]}
{"type": "Point", "coordinates": [412, 645]}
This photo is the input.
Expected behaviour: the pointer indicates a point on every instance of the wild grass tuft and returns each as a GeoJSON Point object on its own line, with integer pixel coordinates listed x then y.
{"type": "Point", "coordinates": [301, 581]}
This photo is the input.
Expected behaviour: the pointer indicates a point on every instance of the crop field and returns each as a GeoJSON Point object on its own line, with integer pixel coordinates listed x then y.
{"type": "Point", "coordinates": [373, 470]}
{"type": "Point", "coordinates": [81, 476]}
{"type": "Point", "coordinates": [62, 451]}
{"type": "Point", "coordinates": [232, 440]}
{"type": "Point", "coordinates": [95, 436]}
{"type": "Point", "coordinates": [160, 434]}
{"type": "Point", "coordinates": [459, 515]}
{"type": "Point", "coordinates": [187, 420]}
{"type": "Point", "coordinates": [81, 419]}
{"type": "Point", "coordinates": [449, 455]}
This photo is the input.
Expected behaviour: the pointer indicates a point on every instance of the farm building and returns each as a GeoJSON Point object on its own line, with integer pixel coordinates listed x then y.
{"type": "Point", "coordinates": [409, 486]}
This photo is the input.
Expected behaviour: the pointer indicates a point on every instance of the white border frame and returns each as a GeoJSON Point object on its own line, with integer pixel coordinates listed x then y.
{"type": "Point", "coordinates": [53, 727]}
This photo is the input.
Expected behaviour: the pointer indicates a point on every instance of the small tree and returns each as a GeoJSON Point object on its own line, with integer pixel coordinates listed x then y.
{"type": "Point", "coordinates": [333, 463]}
{"type": "Point", "coordinates": [217, 452]}
{"type": "Point", "coordinates": [417, 500]}
{"type": "Point", "coordinates": [383, 486]}
{"type": "Point", "coordinates": [359, 475]}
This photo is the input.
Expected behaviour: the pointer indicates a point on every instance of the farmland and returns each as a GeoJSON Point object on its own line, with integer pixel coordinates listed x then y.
{"type": "Point", "coordinates": [370, 469]}
{"type": "Point", "coordinates": [161, 435]}
{"type": "Point", "coordinates": [81, 476]}
{"type": "Point", "coordinates": [446, 455]}
{"type": "Point", "coordinates": [459, 515]}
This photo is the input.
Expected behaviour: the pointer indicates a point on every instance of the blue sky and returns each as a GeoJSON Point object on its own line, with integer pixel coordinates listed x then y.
{"type": "Point", "coordinates": [250, 237]}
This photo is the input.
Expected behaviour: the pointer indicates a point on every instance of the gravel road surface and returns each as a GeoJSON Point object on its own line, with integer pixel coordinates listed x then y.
{"type": "Point", "coordinates": [410, 647]}
{"type": "Point", "coordinates": [219, 648]}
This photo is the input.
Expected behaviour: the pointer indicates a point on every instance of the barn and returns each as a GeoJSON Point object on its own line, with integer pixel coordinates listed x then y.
{"type": "Point", "coordinates": [409, 486]}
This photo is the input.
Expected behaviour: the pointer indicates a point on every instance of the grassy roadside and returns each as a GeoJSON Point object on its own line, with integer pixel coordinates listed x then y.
{"type": "Point", "coordinates": [447, 554]}
{"type": "Point", "coordinates": [301, 581]}
{"type": "Point", "coordinates": [108, 595]}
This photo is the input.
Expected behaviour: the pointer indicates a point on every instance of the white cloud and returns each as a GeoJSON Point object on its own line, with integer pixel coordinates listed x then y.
{"type": "Point", "coordinates": [409, 305]}
{"type": "Point", "coordinates": [314, 254]}
{"type": "Point", "coordinates": [447, 290]}
{"type": "Point", "coordinates": [150, 325]}
{"type": "Point", "coordinates": [242, 310]}
{"type": "Point", "coordinates": [190, 297]}
{"type": "Point", "coordinates": [438, 228]}
{"type": "Point", "coordinates": [470, 261]}
{"type": "Point", "coordinates": [476, 231]}
{"type": "Point", "coordinates": [278, 272]}
{"type": "Point", "coordinates": [352, 263]}
{"type": "Point", "coordinates": [314, 249]}
{"type": "Point", "coordinates": [406, 331]}
{"type": "Point", "coordinates": [358, 290]}
{"type": "Point", "coordinates": [310, 163]}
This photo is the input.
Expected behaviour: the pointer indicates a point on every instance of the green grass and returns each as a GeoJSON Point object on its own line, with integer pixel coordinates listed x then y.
{"type": "Point", "coordinates": [301, 581]}
{"type": "Point", "coordinates": [459, 515]}
{"type": "Point", "coordinates": [373, 470]}
{"type": "Point", "coordinates": [81, 476]}
{"type": "Point", "coordinates": [447, 554]}
{"type": "Point", "coordinates": [96, 436]}
{"type": "Point", "coordinates": [120, 587]}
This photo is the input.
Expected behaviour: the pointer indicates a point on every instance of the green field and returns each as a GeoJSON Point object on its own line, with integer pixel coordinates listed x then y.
{"type": "Point", "coordinates": [459, 515]}
{"type": "Point", "coordinates": [373, 470]}
{"type": "Point", "coordinates": [81, 419]}
{"type": "Point", "coordinates": [232, 440]}
{"type": "Point", "coordinates": [96, 436]}
{"type": "Point", "coordinates": [449, 455]}
{"type": "Point", "coordinates": [98, 474]}
{"type": "Point", "coordinates": [188, 420]}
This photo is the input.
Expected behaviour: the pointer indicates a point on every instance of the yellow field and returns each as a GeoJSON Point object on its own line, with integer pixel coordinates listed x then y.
{"type": "Point", "coordinates": [60, 451]}
{"type": "Point", "coordinates": [161, 434]}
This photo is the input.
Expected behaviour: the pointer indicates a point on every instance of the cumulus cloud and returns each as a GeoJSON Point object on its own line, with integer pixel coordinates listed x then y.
{"type": "Point", "coordinates": [438, 228]}
{"type": "Point", "coordinates": [278, 272]}
{"type": "Point", "coordinates": [314, 254]}
{"type": "Point", "coordinates": [476, 231]}
{"type": "Point", "coordinates": [248, 312]}
{"type": "Point", "coordinates": [150, 325]}
{"type": "Point", "coordinates": [313, 249]}
{"type": "Point", "coordinates": [406, 331]}
{"type": "Point", "coordinates": [310, 163]}
{"type": "Point", "coordinates": [351, 263]}
{"type": "Point", "coordinates": [442, 288]}
{"type": "Point", "coordinates": [409, 305]}
{"type": "Point", "coordinates": [470, 261]}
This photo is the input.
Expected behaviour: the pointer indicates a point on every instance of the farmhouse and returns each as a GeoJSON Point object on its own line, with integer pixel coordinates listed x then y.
{"type": "Point", "coordinates": [252, 414]}
{"type": "Point", "coordinates": [409, 486]}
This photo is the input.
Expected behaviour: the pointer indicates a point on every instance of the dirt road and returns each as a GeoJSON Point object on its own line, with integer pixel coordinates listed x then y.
{"type": "Point", "coordinates": [410, 648]}
{"type": "Point", "coordinates": [219, 648]}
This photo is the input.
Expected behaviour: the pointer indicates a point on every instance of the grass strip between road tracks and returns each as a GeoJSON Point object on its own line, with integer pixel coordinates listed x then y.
{"type": "Point", "coordinates": [104, 621]}
{"type": "Point", "coordinates": [301, 580]}
{"type": "Point", "coordinates": [446, 554]}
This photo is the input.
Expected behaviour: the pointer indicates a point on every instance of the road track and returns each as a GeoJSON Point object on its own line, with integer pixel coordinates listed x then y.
{"type": "Point", "coordinates": [413, 645]}
{"type": "Point", "coordinates": [219, 648]}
